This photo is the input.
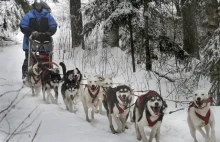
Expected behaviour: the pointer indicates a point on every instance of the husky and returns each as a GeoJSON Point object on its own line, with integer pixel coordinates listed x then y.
{"type": "Point", "coordinates": [116, 103]}
{"type": "Point", "coordinates": [92, 96]}
{"type": "Point", "coordinates": [50, 81]}
{"type": "Point", "coordinates": [149, 111]}
{"type": "Point", "coordinates": [200, 115]}
{"type": "Point", "coordinates": [70, 87]}
{"type": "Point", "coordinates": [34, 78]}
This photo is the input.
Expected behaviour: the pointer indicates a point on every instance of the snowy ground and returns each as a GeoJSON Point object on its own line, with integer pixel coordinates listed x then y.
{"type": "Point", "coordinates": [57, 124]}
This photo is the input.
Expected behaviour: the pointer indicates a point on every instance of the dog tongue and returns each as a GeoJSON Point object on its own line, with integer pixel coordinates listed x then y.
{"type": "Point", "coordinates": [199, 103]}
{"type": "Point", "coordinates": [156, 111]}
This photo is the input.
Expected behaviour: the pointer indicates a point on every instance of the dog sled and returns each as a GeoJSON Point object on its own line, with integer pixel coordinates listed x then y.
{"type": "Point", "coordinates": [40, 51]}
{"type": "Point", "coordinates": [40, 54]}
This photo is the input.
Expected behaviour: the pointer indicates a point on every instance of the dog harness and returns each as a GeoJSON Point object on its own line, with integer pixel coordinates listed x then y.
{"type": "Point", "coordinates": [139, 100]}
{"type": "Point", "coordinates": [207, 116]}
{"type": "Point", "coordinates": [91, 94]}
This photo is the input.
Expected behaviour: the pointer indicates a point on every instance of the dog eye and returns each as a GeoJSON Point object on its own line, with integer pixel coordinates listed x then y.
{"type": "Point", "coordinates": [195, 94]}
{"type": "Point", "coordinates": [202, 94]}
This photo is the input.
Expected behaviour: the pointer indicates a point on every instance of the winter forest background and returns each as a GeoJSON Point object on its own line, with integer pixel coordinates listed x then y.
{"type": "Point", "coordinates": [172, 46]}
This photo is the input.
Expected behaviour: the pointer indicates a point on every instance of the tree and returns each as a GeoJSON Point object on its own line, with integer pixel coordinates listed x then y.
{"type": "Point", "coordinates": [190, 36]}
{"type": "Point", "coordinates": [76, 23]}
{"type": "Point", "coordinates": [146, 36]}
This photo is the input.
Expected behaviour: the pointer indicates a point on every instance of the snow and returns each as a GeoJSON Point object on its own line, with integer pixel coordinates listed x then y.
{"type": "Point", "coordinates": [59, 125]}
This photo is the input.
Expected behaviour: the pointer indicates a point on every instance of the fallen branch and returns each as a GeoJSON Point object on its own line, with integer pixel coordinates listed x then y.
{"type": "Point", "coordinates": [36, 131]}
{"type": "Point", "coordinates": [21, 124]}
{"type": "Point", "coordinates": [18, 91]}
{"type": "Point", "coordinates": [9, 109]}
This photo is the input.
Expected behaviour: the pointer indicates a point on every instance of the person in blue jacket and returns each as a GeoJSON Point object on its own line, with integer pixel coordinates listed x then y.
{"type": "Point", "coordinates": [38, 20]}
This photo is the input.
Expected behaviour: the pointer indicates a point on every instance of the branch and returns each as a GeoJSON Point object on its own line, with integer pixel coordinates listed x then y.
{"type": "Point", "coordinates": [21, 124]}
{"type": "Point", "coordinates": [18, 91]}
{"type": "Point", "coordinates": [36, 132]}
{"type": "Point", "coordinates": [164, 76]}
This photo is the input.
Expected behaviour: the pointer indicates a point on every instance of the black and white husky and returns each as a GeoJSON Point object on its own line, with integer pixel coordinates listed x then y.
{"type": "Point", "coordinates": [116, 103]}
{"type": "Point", "coordinates": [200, 115]}
{"type": "Point", "coordinates": [70, 87]}
{"type": "Point", "coordinates": [33, 79]}
{"type": "Point", "coordinates": [50, 81]}
{"type": "Point", "coordinates": [149, 111]}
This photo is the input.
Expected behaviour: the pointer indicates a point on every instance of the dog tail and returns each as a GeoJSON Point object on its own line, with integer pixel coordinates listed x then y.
{"type": "Point", "coordinates": [64, 68]}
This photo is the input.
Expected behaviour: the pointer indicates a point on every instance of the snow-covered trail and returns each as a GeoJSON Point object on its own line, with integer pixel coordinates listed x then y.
{"type": "Point", "coordinates": [58, 125]}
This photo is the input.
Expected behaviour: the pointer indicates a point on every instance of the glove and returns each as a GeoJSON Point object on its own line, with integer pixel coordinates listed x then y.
{"type": "Point", "coordinates": [35, 34]}
{"type": "Point", "coordinates": [48, 33]}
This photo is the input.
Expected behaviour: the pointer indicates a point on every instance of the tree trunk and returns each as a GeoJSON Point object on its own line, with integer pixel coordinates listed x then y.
{"type": "Point", "coordinates": [76, 23]}
{"type": "Point", "coordinates": [24, 4]}
{"type": "Point", "coordinates": [211, 11]}
{"type": "Point", "coordinates": [190, 37]}
{"type": "Point", "coordinates": [178, 8]}
{"type": "Point", "coordinates": [111, 37]}
{"type": "Point", "coordinates": [132, 43]}
{"type": "Point", "coordinates": [146, 37]}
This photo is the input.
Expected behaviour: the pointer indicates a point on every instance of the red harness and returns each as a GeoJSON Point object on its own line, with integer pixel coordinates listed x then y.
{"type": "Point", "coordinates": [121, 110]}
{"type": "Point", "coordinates": [151, 123]}
{"type": "Point", "coordinates": [91, 93]}
{"type": "Point", "coordinates": [36, 80]}
{"type": "Point", "coordinates": [207, 116]}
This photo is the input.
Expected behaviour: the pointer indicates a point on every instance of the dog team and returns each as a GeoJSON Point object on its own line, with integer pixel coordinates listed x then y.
{"type": "Point", "coordinates": [147, 110]}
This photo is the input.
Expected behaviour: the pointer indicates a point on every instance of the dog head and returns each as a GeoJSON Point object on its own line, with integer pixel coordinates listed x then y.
{"type": "Point", "coordinates": [154, 103]}
{"type": "Point", "coordinates": [55, 76]}
{"type": "Point", "coordinates": [73, 75]}
{"type": "Point", "coordinates": [37, 69]}
{"type": "Point", "coordinates": [200, 97]}
{"type": "Point", "coordinates": [107, 82]}
{"type": "Point", "coordinates": [123, 94]}
{"type": "Point", "coordinates": [93, 82]}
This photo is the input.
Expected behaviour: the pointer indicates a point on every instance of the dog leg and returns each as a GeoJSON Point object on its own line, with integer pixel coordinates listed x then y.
{"type": "Point", "coordinates": [123, 122]}
{"type": "Point", "coordinates": [85, 108]}
{"type": "Point", "coordinates": [192, 129]}
{"type": "Point", "coordinates": [70, 105]}
{"type": "Point", "coordinates": [117, 121]}
{"type": "Point", "coordinates": [111, 125]}
{"type": "Point", "coordinates": [138, 135]}
{"type": "Point", "coordinates": [142, 133]}
{"type": "Point", "coordinates": [213, 137]}
{"type": "Point", "coordinates": [154, 131]}
{"type": "Point", "coordinates": [207, 129]}
{"type": "Point", "coordinates": [43, 91]}
{"type": "Point", "coordinates": [157, 137]}
{"type": "Point", "coordinates": [92, 114]}
{"type": "Point", "coordinates": [38, 89]}
{"type": "Point", "coordinates": [66, 103]}
{"type": "Point", "coordinates": [100, 107]}
{"type": "Point", "coordinates": [203, 134]}
{"type": "Point", "coordinates": [56, 94]}
{"type": "Point", "coordinates": [33, 93]}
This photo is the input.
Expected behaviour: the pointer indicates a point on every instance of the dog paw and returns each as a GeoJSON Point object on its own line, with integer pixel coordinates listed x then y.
{"type": "Point", "coordinates": [112, 129]}
{"type": "Point", "coordinates": [88, 120]}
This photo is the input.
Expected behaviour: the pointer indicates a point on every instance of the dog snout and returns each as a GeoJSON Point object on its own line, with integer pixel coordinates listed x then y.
{"type": "Point", "coordinates": [156, 104]}
{"type": "Point", "coordinates": [198, 99]}
{"type": "Point", "coordinates": [124, 96]}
